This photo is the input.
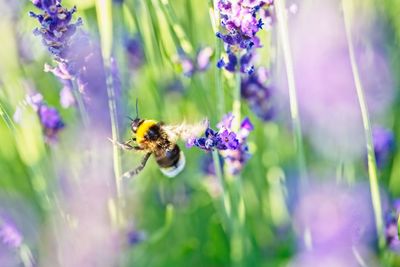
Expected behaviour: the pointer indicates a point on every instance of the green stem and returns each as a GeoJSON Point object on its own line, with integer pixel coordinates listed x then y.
{"type": "Point", "coordinates": [294, 110]}
{"type": "Point", "coordinates": [26, 256]}
{"type": "Point", "coordinates": [372, 169]}
{"type": "Point", "coordinates": [104, 18]}
{"type": "Point", "coordinates": [398, 226]}
{"type": "Point", "coordinates": [237, 201]}
{"type": "Point", "coordinates": [223, 200]}
{"type": "Point", "coordinates": [215, 22]}
{"type": "Point", "coordinates": [280, 8]}
{"type": "Point", "coordinates": [81, 104]}
{"type": "Point", "coordinates": [6, 118]}
{"type": "Point", "coordinates": [177, 31]}
{"type": "Point", "coordinates": [114, 127]}
{"type": "Point", "coordinates": [236, 105]}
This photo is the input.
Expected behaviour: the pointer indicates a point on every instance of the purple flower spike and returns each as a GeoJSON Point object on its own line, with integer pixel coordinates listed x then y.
{"type": "Point", "coordinates": [241, 21]}
{"type": "Point", "coordinates": [56, 27]}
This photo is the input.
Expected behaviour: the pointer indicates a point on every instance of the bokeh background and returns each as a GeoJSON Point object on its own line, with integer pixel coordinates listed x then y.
{"type": "Point", "coordinates": [59, 201]}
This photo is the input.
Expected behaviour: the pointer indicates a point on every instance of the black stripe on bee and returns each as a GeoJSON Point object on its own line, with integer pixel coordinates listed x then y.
{"type": "Point", "coordinates": [169, 158]}
{"type": "Point", "coordinates": [153, 133]}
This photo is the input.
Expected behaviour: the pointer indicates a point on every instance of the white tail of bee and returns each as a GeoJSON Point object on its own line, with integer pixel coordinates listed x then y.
{"type": "Point", "coordinates": [176, 169]}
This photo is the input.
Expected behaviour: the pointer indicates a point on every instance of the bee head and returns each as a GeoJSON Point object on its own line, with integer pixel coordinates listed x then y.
{"type": "Point", "coordinates": [135, 124]}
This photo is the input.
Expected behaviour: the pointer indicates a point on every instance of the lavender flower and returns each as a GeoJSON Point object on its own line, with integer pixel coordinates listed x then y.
{"type": "Point", "coordinates": [78, 57]}
{"type": "Point", "coordinates": [57, 33]}
{"type": "Point", "coordinates": [9, 234]}
{"type": "Point", "coordinates": [257, 94]}
{"type": "Point", "coordinates": [222, 139]}
{"type": "Point", "coordinates": [56, 27]}
{"type": "Point", "coordinates": [384, 145]}
{"type": "Point", "coordinates": [232, 146]}
{"type": "Point", "coordinates": [241, 22]}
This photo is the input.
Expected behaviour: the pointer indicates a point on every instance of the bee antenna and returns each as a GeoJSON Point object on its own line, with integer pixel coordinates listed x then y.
{"type": "Point", "coordinates": [137, 109]}
{"type": "Point", "coordinates": [129, 117]}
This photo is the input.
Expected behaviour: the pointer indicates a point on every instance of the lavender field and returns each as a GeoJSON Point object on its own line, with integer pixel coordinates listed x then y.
{"type": "Point", "coordinates": [238, 133]}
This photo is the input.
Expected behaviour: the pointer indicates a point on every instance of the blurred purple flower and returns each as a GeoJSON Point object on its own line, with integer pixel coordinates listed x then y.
{"type": "Point", "coordinates": [135, 237]}
{"type": "Point", "coordinates": [134, 49]}
{"type": "Point", "coordinates": [335, 258]}
{"type": "Point", "coordinates": [174, 86]}
{"type": "Point", "coordinates": [49, 117]}
{"type": "Point", "coordinates": [255, 91]}
{"type": "Point", "coordinates": [187, 65]}
{"type": "Point", "coordinates": [236, 159]}
{"type": "Point", "coordinates": [9, 234]}
{"type": "Point", "coordinates": [328, 102]}
{"type": "Point", "coordinates": [51, 122]}
{"type": "Point", "coordinates": [384, 145]}
{"type": "Point", "coordinates": [203, 58]}
{"type": "Point", "coordinates": [392, 230]}
{"type": "Point", "coordinates": [66, 96]}
{"type": "Point", "coordinates": [207, 164]}
{"type": "Point", "coordinates": [199, 64]}
{"type": "Point", "coordinates": [336, 217]}
{"type": "Point", "coordinates": [226, 121]}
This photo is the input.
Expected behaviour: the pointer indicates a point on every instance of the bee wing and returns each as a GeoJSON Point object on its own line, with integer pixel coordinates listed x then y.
{"type": "Point", "coordinates": [185, 131]}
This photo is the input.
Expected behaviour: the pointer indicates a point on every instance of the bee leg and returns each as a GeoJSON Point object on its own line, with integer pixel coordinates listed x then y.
{"type": "Point", "coordinates": [138, 169]}
{"type": "Point", "coordinates": [125, 146]}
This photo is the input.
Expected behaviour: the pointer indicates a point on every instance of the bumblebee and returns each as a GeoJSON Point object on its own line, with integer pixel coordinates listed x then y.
{"type": "Point", "coordinates": [156, 138]}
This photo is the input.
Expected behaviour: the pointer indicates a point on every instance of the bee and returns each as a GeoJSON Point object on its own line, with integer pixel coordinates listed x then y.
{"type": "Point", "coordinates": [153, 137]}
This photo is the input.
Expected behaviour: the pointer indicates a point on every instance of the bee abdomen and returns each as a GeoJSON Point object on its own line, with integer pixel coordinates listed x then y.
{"type": "Point", "coordinates": [171, 162]}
